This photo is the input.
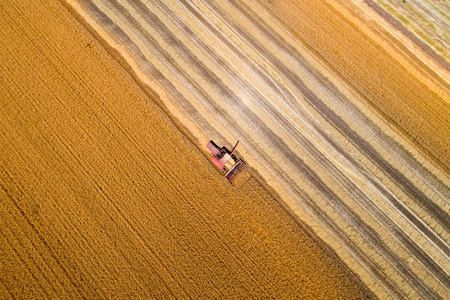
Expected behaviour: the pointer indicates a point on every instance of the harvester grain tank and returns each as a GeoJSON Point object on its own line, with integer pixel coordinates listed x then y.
{"type": "Point", "coordinates": [225, 160]}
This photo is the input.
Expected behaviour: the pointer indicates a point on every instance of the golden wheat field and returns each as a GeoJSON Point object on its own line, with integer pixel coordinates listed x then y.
{"type": "Point", "coordinates": [107, 190]}
{"type": "Point", "coordinates": [103, 197]}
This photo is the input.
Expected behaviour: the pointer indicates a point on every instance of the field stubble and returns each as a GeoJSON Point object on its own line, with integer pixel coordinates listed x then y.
{"type": "Point", "coordinates": [399, 79]}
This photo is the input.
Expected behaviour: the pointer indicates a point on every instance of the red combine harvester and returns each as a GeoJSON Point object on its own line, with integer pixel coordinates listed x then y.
{"type": "Point", "coordinates": [225, 160]}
